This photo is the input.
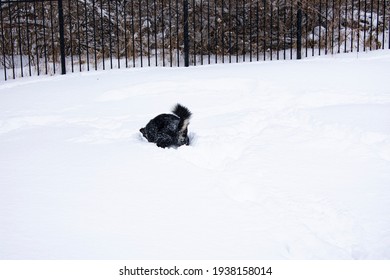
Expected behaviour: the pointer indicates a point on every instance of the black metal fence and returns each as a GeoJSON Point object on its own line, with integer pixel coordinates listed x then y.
{"type": "Point", "coordinates": [61, 36]}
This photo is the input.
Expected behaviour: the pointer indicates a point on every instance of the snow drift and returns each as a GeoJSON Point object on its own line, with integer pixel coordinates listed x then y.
{"type": "Point", "coordinates": [288, 160]}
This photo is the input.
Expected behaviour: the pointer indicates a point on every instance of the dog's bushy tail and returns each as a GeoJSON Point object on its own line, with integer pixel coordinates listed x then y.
{"type": "Point", "coordinates": [184, 114]}
{"type": "Point", "coordinates": [181, 111]}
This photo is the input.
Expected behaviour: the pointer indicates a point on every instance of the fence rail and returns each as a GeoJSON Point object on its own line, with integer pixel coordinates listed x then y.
{"type": "Point", "coordinates": [60, 36]}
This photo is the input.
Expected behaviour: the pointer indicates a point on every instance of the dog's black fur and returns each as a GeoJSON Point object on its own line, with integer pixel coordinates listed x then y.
{"type": "Point", "coordinates": [167, 130]}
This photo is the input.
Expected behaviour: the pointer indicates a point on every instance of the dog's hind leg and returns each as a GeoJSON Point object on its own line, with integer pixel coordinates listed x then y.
{"type": "Point", "coordinates": [165, 141]}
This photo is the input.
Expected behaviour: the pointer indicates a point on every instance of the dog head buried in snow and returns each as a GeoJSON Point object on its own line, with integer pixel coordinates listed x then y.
{"type": "Point", "coordinates": [169, 130]}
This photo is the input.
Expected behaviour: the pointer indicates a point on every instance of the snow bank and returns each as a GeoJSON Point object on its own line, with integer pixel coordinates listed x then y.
{"type": "Point", "coordinates": [288, 160]}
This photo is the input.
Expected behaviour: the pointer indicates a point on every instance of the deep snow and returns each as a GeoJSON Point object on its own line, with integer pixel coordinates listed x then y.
{"type": "Point", "coordinates": [288, 160]}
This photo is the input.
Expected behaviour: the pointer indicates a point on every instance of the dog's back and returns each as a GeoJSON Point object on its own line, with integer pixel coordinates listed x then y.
{"type": "Point", "coordinates": [167, 129]}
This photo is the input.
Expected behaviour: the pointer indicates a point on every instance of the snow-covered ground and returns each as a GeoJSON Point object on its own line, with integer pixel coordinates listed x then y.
{"type": "Point", "coordinates": [288, 160]}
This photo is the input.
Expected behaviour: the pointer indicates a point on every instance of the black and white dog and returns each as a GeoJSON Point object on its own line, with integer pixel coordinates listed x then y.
{"type": "Point", "coordinates": [167, 130]}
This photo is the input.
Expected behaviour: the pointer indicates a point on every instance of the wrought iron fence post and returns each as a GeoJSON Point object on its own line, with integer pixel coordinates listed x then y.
{"type": "Point", "coordinates": [299, 30]}
{"type": "Point", "coordinates": [2, 41]}
{"type": "Point", "coordinates": [186, 39]}
{"type": "Point", "coordinates": [62, 39]}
